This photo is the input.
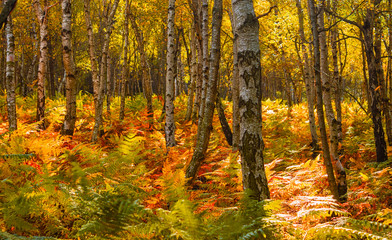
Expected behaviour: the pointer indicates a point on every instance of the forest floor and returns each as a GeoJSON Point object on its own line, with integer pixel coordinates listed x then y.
{"type": "Point", "coordinates": [43, 172]}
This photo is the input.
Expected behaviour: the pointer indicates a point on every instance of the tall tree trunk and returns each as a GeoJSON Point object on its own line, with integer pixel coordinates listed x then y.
{"type": "Point", "coordinates": [307, 78]}
{"type": "Point", "coordinates": [374, 83]}
{"type": "Point", "coordinates": [10, 72]}
{"type": "Point", "coordinates": [332, 122]}
{"type": "Point", "coordinates": [380, 75]}
{"type": "Point", "coordinates": [170, 126]}
{"type": "Point", "coordinates": [235, 91]}
{"type": "Point", "coordinates": [251, 145]}
{"type": "Point", "coordinates": [109, 84]}
{"type": "Point", "coordinates": [337, 83]}
{"type": "Point", "coordinates": [193, 73]}
{"type": "Point", "coordinates": [43, 60]}
{"type": "Point", "coordinates": [389, 64]}
{"type": "Point", "coordinates": [204, 12]}
{"type": "Point", "coordinates": [69, 66]}
{"type": "Point", "coordinates": [103, 74]}
{"type": "Point", "coordinates": [124, 72]}
{"type": "Point", "coordinates": [205, 127]}
{"type": "Point", "coordinates": [145, 69]}
{"type": "Point", "coordinates": [223, 121]}
{"type": "Point", "coordinates": [320, 110]}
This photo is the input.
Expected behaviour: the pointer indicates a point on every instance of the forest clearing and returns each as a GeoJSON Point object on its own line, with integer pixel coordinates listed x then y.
{"type": "Point", "coordinates": [196, 119]}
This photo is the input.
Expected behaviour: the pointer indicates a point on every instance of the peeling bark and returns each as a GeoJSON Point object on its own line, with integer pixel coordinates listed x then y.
{"type": "Point", "coordinates": [251, 145]}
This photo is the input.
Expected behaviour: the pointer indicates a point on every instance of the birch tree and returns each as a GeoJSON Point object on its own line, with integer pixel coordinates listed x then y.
{"type": "Point", "coordinates": [170, 75]}
{"type": "Point", "coordinates": [10, 72]}
{"type": "Point", "coordinates": [69, 66]}
{"type": "Point", "coordinates": [124, 73]}
{"type": "Point", "coordinates": [205, 127]}
{"type": "Point", "coordinates": [41, 12]}
{"type": "Point", "coordinates": [251, 140]}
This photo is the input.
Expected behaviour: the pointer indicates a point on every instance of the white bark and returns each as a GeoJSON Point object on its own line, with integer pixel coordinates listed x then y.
{"type": "Point", "coordinates": [170, 75]}
{"type": "Point", "coordinates": [10, 73]}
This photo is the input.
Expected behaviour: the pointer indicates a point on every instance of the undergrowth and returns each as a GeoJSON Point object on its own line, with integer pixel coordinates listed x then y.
{"type": "Point", "coordinates": [127, 186]}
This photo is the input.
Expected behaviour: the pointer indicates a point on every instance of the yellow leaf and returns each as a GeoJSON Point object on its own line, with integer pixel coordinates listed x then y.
{"type": "Point", "coordinates": [364, 177]}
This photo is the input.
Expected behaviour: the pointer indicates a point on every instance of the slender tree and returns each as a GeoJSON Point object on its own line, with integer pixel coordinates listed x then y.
{"type": "Point", "coordinates": [69, 66]}
{"type": "Point", "coordinates": [170, 126]}
{"type": "Point", "coordinates": [109, 20]}
{"type": "Point", "coordinates": [375, 101]}
{"type": "Point", "coordinates": [193, 75]}
{"type": "Point", "coordinates": [251, 140]}
{"type": "Point", "coordinates": [307, 76]}
{"type": "Point", "coordinates": [146, 76]}
{"type": "Point", "coordinates": [124, 72]}
{"type": "Point", "coordinates": [41, 13]}
{"type": "Point", "coordinates": [320, 110]}
{"type": "Point", "coordinates": [10, 73]}
{"type": "Point", "coordinates": [204, 13]}
{"type": "Point", "coordinates": [205, 127]}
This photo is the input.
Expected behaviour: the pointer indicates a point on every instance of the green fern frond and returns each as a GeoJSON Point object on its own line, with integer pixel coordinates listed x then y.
{"type": "Point", "coordinates": [326, 231]}
{"type": "Point", "coordinates": [320, 213]}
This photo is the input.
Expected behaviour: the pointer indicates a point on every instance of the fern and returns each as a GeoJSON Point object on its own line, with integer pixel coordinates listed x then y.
{"type": "Point", "coordinates": [349, 228]}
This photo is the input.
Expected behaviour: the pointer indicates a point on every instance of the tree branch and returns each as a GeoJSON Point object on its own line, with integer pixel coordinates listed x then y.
{"type": "Point", "coordinates": [265, 14]}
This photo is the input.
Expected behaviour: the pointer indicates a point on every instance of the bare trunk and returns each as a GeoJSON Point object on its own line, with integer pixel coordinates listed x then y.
{"type": "Point", "coordinates": [251, 143]}
{"type": "Point", "coordinates": [307, 78]}
{"type": "Point", "coordinates": [205, 127]}
{"type": "Point", "coordinates": [109, 84]}
{"type": "Point", "coordinates": [320, 110]}
{"type": "Point", "coordinates": [10, 72]}
{"type": "Point", "coordinates": [380, 75]}
{"type": "Point", "coordinates": [103, 75]}
{"type": "Point", "coordinates": [204, 11]}
{"type": "Point", "coordinates": [170, 126]}
{"type": "Point", "coordinates": [223, 121]}
{"type": "Point", "coordinates": [43, 60]}
{"type": "Point", "coordinates": [374, 83]}
{"type": "Point", "coordinates": [124, 72]}
{"type": "Point", "coordinates": [69, 66]}
{"type": "Point", "coordinates": [193, 73]}
{"type": "Point", "coordinates": [145, 69]}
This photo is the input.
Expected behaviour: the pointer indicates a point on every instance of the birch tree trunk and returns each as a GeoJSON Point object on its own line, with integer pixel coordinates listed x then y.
{"type": "Point", "coordinates": [204, 12]}
{"type": "Point", "coordinates": [10, 72]}
{"type": "Point", "coordinates": [69, 66]}
{"type": "Point", "coordinates": [92, 51]}
{"type": "Point", "coordinates": [103, 75]}
{"type": "Point", "coordinates": [307, 77]}
{"type": "Point", "coordinates": [170, 126]}
{"type": "Point", "coordinates": [193, 73]}
{"type": "Point", "coordinates": [251, 140]}
{"type": "Point", "coordinates": [145, 68]}
{"type": "Point", "coordinates": [109, 84]}
{"type": "Point", "coordinates": [205, 127]}
{"type": "Point", "coordinates": [320, 110]}
{"type": "Point", "coordinates": [43, 60]}
{"type": "Point", "coordinates": [124, 72]}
